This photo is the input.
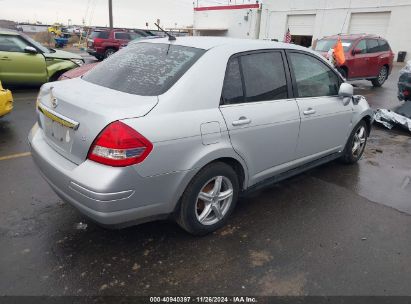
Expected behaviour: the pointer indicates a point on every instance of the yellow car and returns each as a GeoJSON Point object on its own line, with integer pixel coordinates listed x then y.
{"type": "Point", "coordinates": [6, 101]}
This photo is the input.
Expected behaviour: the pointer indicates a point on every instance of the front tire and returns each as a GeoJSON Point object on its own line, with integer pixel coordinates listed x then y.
{"type": "Point", "coordinates": [109, 52]}
{"type": "Point", "coordinates": [209, 199]}
{"type": "Point", "coordinates": [356, 143]}
{"type": "Point", "coordinates": [381, 78]}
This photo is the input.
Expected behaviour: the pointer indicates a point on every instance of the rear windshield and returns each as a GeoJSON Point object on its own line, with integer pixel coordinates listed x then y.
{"type": "Point", "coordinates": [325, 45]}
{"type": "Point", "coordinates": [146, 69]}
{"type": "Point", "coordinates": [99, 34]}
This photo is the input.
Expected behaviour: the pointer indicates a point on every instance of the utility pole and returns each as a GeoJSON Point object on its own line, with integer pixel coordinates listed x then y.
{"type": "Point", "coordinates": [110, 12]}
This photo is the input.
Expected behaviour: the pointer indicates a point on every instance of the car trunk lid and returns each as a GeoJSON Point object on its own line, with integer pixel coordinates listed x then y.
{"type": "Point", "coordinates": [73, 112]}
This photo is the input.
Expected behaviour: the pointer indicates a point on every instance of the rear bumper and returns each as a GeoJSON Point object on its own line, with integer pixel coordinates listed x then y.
{"type": "Point", "coordinates": [110, 196]}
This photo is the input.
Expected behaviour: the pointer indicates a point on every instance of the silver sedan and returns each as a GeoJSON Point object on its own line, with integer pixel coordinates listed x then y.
{"type": "Point", "coordinates": [178, 129]}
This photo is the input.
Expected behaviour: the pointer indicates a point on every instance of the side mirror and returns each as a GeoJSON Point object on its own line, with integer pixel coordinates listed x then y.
{"type": "Point", "coordinates": [346, 92]}
{"type": "Point", "coordinates": [30, 50]}
{"type": "Point", "coordinates": [356, 51]}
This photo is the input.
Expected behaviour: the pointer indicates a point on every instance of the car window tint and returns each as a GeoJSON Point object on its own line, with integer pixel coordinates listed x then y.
{"type": "Point", "coordinates": [10, 43]}
{"type": "Point", "coordinates": [147, 69]}
{"type": "Point", "coordinates": [137, 35]}
{"type": "Point", "coordinates": [233, 87]}
{"type": "Point", "coordinates": [373, 46]}
{"type": "Point", "coordinates": [324, 45]}
{"type": "Point", "coordinates": [313, 77]}
{"type": "Point", "coordinates": [124, 36]}
{"type": "Point", "coordinates": [264, 76]}
{"type": "Point", "coordinates": [362, 46]}
{"type": "Point", "coordinates": [383, 45]}
{"type": "Point", "coordinates": [100, 34]}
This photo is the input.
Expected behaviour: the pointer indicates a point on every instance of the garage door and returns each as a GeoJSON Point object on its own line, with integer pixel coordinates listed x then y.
{"type": "Point", "coordinates": [370, 23]}
{"type": "Point", "coordinates": [301, 24]}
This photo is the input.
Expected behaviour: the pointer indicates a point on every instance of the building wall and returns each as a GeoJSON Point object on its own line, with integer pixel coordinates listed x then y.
{"type": "Point", "coordinates": [333, 17]}
{"type": "Point", "coordinates": [32, 28]}
{"type": "Point", "coordinates": [241, 23]}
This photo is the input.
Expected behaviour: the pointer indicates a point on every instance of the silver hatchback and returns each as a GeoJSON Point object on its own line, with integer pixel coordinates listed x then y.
{"type": "Point", "coordinates": [180, 128]}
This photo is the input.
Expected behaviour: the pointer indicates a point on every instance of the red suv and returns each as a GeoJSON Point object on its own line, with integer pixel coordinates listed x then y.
{"type": "Point", "coordinates": [104, 43]}
{"type": "Point", "coordinates": [367, 56]}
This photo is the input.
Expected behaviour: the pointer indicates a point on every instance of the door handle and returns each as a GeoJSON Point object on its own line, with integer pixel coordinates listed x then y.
{"type": "Point", "coordinates": [309, 111]}
{"type": "Point", "coordinates": [241, 121]}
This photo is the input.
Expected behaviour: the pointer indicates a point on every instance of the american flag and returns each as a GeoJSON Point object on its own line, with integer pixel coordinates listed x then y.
{"type": "Point", "coordinates": [287, 36]}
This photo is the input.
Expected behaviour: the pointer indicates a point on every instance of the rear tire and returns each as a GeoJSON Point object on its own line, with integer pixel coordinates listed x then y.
{"type": "Point", "coordinates": [209, 199]}
{"type": "Point", "coordinates": [356, 143]}
{"type": "Point", "coordinates": [381, 78]}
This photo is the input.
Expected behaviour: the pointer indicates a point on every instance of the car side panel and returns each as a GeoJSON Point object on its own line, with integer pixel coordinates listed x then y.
{"type": "Point", "coordinates": [271, 137]}
{"type": "Point", "coordinates": [22, 68]}
{"type": "Point", "coordinates": [178, 140]}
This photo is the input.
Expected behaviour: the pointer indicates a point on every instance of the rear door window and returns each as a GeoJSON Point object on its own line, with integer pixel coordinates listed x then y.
{"type": "Point", "coordinates": [233, 86]}
{"type": "Point", "coordinates": [146, 69]}
{"type": "Point", "coordinates": [373, 46]}
{"type": "Point", "coordinates": [100, 34]}
{"type": "Point", "coordinates": [255, 77]}
{"type": "Point", "coordinates": [264, 76]}
{"type": "Point", "coordinates": [122, 36]}
{"type": "Point", "coordinates": [384, 46]}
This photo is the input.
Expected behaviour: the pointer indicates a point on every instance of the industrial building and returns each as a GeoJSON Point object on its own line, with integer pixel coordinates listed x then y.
{"type": "Point", "coordinates": [308, 20]}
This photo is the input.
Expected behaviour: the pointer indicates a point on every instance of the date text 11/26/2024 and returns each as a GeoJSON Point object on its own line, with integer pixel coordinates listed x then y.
{"type": "Point", "coordinates": [203, 299]}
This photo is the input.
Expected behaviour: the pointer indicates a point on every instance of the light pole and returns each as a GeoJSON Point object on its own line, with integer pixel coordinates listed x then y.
{"type": "Point", "coordinates": [110, 13]}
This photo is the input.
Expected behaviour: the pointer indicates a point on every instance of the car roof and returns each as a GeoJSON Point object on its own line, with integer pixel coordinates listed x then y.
{"type": "Point", "coordinates": [109, 30]}
{"type": "Point", "coordinates": [208, 42]}
{"type": "Point", "coordinates": [352, 36]}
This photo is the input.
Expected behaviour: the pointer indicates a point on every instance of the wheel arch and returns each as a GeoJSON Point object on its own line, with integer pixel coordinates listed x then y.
{"type": "Point", "coordinates": [368, 120]}
{"type": "Point", "coordinates": [234, 161]}
{"type": "Point", "coordinates": [56, 75]}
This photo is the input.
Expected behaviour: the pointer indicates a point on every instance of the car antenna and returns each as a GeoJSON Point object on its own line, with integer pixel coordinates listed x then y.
{"type": "Point", "coordinates": [170, 37]}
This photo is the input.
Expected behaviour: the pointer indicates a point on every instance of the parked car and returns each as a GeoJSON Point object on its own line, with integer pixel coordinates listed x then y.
{"type": "Point", "coordinates": [77, 72]}
{"type": "Point", "coordinates": [25, 61]}
{"type": "Point", "coordinates": [180, 128]}
{"type": "Point", "coordinates": [6, 101]}
{"type": "Point", "coordinates": [404, 83]}
{"type": "Point", "coordinates": [367, 56]}
{"type": "Point", "coordinates": [104, 43]}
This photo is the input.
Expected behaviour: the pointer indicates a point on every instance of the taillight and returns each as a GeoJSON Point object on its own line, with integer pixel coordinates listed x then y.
{"type": "Point", "coordinates": [119, 145]}
{"type": "Point", "coordinates": [97, 41]}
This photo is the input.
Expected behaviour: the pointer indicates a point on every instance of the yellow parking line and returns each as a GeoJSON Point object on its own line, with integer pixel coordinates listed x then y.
{"type": "Point", "coordinates": [17, 155]}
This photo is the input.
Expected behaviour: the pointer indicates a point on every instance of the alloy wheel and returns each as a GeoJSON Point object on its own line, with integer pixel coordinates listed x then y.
{"type": "Point", "coordinates": [360, 138]}
{"type": "Point", "coordinates": [109, 53]}
{"type": "Point", "coordinates": [214, 200]}
{"type": "Point", "coordinates": [382, 76]}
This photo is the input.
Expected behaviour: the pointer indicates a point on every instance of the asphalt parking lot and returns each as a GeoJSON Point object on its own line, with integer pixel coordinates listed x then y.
{"type": "Point", "coordinates": [335, 230]}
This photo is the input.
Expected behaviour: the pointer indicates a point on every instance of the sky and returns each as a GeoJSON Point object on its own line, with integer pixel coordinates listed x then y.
{"type": "Point", "coordinates": [127, 13]}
